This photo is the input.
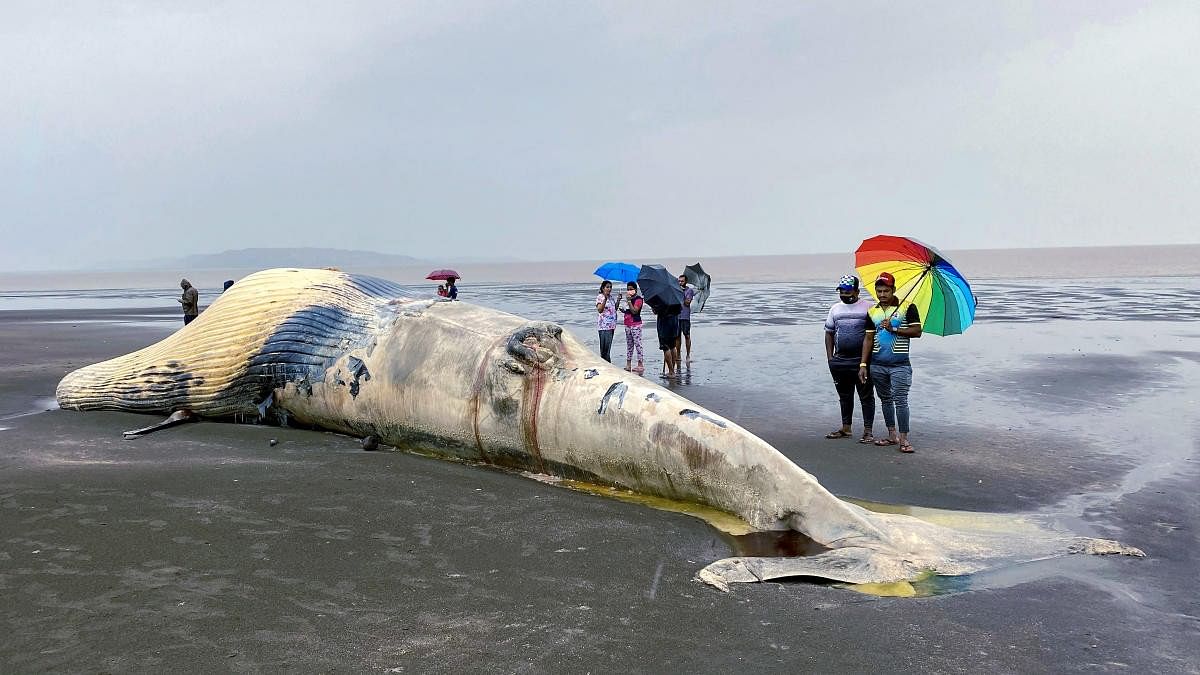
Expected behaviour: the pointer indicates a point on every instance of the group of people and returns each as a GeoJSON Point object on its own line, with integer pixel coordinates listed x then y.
{"type": "Point", "coordinates": [674, 326]}
{"type": "Point", "coordinates": [448, 289]}
{"type": "Point", "coordinates": [867, 346]}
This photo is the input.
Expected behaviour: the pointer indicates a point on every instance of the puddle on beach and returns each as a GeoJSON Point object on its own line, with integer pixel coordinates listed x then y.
{"type": "Point", "coordinates": [37, 406]}
{"type": "Point", "coordinates": [135, 323]}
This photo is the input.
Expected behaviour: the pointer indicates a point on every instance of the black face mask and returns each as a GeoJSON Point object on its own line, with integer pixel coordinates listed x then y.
{"type": "Point", "coordinates": [849, 300]}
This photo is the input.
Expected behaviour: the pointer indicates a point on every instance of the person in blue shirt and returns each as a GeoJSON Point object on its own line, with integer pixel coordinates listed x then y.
{"type": "Point", "coordinates": [890, 327]}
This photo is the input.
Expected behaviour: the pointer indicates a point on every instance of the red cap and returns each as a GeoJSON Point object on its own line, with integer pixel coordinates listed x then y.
{"type": "Point", "coordinates": [886, 278]}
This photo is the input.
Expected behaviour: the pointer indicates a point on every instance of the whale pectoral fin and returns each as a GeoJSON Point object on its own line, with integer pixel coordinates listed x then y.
{"type": "Point", "coordinates": [176, 418]}
{"type": "Point", "coordinates": [852, 565]}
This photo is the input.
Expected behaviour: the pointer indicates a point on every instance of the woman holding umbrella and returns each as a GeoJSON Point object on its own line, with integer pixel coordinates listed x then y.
{"type": "Point", "coordinates": [633, 328]}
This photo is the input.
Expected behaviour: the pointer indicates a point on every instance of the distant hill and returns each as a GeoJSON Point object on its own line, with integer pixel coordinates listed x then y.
{"type": "Point", "coordinates": [262, 258]}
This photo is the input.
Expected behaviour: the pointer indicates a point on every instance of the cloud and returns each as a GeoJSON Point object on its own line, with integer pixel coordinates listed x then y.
{"type": "Point", "coordinates": [604, 129]}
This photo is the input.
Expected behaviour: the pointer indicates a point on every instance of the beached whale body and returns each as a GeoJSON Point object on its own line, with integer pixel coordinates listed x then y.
{"type": "Point", "coordinates": [347, 353]}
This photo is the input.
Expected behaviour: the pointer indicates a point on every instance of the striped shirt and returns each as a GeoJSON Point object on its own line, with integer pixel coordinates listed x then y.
{"type": "Point", "coordinates": [891, 349]}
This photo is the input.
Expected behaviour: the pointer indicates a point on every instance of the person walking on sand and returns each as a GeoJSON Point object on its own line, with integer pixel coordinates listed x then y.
{"type": "Point", "coordinates": [685, 320]}
{"type": "Point", "coordinates": [845, 329]}
{"type": "Point", "coordinates": [890, 327]}
{"type": "Point", "coordinates": [606, 321]}
{"type": "Point", "coordinates": [633, 328]}
{"type": "Point", "coordinates": [190, 301]}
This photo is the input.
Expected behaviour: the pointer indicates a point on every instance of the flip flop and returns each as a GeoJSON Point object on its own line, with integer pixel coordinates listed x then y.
{"type": "Point", "coordinates": [885, 441]}
{"type": "Point", "coordinates": [838, 433]}
{"type": "Point", "coordinates": [867, 439]}
{"type": "Point", "coordinates": [906, 447]}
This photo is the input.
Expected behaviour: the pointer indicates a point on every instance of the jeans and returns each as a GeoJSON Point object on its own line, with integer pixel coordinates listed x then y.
{"type": "Point", "coordinates": [892, 384]}
{"type": "Point", "coordinates": [606, 338]}
{"type": "Point", "coordinates": [845, 380]}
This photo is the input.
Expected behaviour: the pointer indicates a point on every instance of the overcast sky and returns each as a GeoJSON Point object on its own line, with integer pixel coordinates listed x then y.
{"type": "Point", "coordinates": [592, 130]}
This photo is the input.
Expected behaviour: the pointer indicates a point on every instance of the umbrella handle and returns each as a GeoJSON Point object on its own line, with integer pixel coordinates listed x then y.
{"type": "Point", "coordinates": [910, 291]}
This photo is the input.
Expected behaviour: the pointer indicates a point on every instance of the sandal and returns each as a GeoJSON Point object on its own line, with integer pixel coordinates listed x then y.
{"type": "Point", "coordinates": [838, 433]}
{"type": "Point", "coordinates": [906, 447]}
{"type": "Point", "coordinates": [885, 441]}
{"type": "Point", "coordinates": [867, 438]}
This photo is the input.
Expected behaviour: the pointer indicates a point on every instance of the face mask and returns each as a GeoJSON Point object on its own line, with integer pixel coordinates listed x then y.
{"type": "Point", "coordinates": [849, 300]}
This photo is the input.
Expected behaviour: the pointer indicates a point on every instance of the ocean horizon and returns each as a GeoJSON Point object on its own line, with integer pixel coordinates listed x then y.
{"type": "Point", "coordinates": [1108, 262]}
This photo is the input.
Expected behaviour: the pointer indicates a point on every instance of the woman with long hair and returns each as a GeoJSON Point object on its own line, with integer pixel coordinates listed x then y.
{"type": "Point", "coordinates": [633, 328]}
{"type": "Point", "coordinates": [606, 322]}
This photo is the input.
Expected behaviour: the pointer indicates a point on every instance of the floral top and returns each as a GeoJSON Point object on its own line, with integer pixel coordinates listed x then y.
{"type": "Point", "coordinates": [607, 320]}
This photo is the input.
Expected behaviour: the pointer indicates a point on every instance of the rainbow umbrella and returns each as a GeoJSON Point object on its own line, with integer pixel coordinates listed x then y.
{"type": "Point", "coordinates": [924, 277]}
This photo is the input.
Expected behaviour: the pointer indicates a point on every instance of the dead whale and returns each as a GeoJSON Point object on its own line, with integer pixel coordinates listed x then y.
{"type": "Point", "coordinates": [348, 353]}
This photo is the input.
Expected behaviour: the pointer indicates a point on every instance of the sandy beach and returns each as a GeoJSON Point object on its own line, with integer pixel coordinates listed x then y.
{"type": "Point", "coordinates": [207, 548]}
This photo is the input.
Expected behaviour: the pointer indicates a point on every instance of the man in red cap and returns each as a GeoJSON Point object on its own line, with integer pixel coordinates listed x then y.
{"type": "Point", "coordinates": [890, 326]}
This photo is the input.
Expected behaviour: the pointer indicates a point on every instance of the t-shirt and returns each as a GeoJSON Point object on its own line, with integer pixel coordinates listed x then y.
{"type": "Point", "coordinates": [891, 349]}
{"type": "Point", "coordinates": [607, 320]}
{"type": "Point", "coordinates": [633, 317]}
{"type": "Point", "coordinates": [452, 292]}
{"type": "Point", "coordinates": [848, 324]}
{"type": "Point", "coordinates": [686, 312]}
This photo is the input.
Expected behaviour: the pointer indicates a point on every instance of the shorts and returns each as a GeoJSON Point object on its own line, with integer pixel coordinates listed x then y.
{"type": "Point", "coordinates": [685, 327]}
{"type": "Point", "coordinates": [668, 331]}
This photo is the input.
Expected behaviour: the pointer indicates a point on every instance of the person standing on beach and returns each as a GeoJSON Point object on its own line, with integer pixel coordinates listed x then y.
{"type": "Point", "coordinates": [606, 321]}
{"type": "Point", "coordinates": [633, 328]}
{"type": "Point", "coordinates": [685, 320]}
{"type": "Point", "coordinates": [190, 301]}
{"type": "Point", "coordinates": [451, 289]}
{"type": "Point", "coordinates": [667, 325]}
{"type": "Point", "coordinates": [845, 330]}
{"type": "Point", "coordinates": [890, 327]}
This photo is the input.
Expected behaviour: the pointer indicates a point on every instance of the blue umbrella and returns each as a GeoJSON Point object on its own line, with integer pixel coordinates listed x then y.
{"type": "Point", "coordinates": [617, 271]}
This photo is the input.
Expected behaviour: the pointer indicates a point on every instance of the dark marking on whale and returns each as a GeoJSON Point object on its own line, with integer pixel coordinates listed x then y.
{"type": "Point", "coordinates": [695, 414]}
{"type": "Point", "coordinates": [618, 389]}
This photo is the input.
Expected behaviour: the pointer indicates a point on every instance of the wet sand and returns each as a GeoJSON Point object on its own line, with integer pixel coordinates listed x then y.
{"type": "Point", "coordinates": [206, 548]}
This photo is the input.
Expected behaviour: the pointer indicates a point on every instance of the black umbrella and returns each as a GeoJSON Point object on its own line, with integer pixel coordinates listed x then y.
{"type": "Point", "coordinates": [660, 288]}
{"type": "Point", "coordinates": [697, 277]}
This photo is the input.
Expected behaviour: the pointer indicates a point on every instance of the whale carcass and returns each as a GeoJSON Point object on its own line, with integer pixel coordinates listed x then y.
{"type": "Point", "coordinates": [349, 353]}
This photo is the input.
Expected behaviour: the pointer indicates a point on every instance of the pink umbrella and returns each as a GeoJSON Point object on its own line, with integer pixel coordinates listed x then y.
{"type": "Point", "coordinates": [443, 275]}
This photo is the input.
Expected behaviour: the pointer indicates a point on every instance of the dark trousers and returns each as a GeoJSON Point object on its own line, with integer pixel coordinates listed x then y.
{"type": "Point", "coordinates": [606, 338]}
{"type": "Point", "coordinates": [845, 379]}
{"type": "Point", "coordinates": [187, 318]}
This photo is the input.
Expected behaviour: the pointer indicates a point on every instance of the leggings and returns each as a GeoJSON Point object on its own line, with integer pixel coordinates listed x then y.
{"type": "Point", "coordinates": [845, 379]}
{"type": "Point", "coordinates": [892, 384]}
{"type": "Point", "coordinates": [633, 342]}
{"type": "Point", "coordinates": [606, 338]}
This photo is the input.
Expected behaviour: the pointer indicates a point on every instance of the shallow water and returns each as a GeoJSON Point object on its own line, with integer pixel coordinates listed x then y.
{"type": "Point", "coordinates": [734, 304]}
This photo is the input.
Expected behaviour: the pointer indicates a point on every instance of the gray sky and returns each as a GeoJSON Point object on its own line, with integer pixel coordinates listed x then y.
{"type": "Point", "coordinates": [605, 130]}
